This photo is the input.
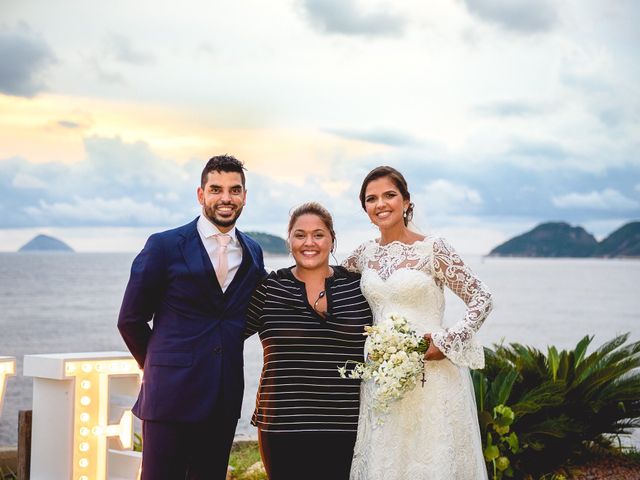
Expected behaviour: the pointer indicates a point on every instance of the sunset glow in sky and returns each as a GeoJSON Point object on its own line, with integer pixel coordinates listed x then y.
{"type": "Point", "coordinates": [501, 114]}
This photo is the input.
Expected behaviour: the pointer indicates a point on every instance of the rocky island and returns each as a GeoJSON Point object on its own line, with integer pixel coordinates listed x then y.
{"type": "Point", "coordinates": [624, 242]}
{"type": "Point", "coordinates": [45, 243]}
{"type": "Point", "coordinates": [559, 239]}
{"type": "Point", "coordinates": [271, 244]}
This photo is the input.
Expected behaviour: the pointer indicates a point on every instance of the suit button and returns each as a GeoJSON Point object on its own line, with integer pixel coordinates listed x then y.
{"type": "Point", "coordinates": [217, 350]}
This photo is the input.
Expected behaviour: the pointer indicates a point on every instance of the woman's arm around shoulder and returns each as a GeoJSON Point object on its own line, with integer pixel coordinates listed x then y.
{"type": "Point", "coordinates": [355, 261]}
{"type": "Point", "coordinates": [256, 305]}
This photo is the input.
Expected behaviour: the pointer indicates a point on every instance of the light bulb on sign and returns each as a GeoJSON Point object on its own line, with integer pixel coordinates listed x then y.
{"type": "Point", "coordinates": [91, 414]}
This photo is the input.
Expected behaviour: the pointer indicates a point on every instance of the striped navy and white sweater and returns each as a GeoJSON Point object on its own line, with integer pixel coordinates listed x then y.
{"type": "Point", "coordinates": [300, 388]}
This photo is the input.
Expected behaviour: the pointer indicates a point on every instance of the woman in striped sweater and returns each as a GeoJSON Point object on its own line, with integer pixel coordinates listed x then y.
{"type": "Point", "coordinates": [310, 318]}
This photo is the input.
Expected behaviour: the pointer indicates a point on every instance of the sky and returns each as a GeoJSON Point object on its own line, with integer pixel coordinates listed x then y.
{"type": "Point", "coordinates": [501, 114]}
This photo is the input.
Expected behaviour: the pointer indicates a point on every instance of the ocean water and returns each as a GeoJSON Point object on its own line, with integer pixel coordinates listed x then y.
{"type": "Point", "coordinates": [62, 303]}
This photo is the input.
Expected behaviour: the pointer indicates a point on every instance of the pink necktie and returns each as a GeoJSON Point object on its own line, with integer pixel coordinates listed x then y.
{"type": "Point", "coordinates": [222, 267]}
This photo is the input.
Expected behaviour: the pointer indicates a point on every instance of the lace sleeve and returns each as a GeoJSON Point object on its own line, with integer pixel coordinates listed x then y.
{"type": "Point", "coordinates": [458, 343]}
{"type": "Point", "coordinates": [353, 262]}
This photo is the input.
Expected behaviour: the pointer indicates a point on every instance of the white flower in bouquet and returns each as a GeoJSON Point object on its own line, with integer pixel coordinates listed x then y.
{"type": "Point", "coordinates": [394, 361]}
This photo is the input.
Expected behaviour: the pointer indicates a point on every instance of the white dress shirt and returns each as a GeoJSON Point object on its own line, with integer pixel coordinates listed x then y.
{"type": "Point", "coordinates": [207, 232]}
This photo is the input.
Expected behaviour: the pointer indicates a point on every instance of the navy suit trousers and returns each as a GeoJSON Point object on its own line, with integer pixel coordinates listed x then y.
{"type": "Point", "coordinates": [190, 451]}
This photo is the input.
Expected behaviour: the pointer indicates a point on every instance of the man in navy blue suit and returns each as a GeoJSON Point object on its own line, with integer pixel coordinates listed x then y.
{"type": "Point", "coordinates": [194, 282]}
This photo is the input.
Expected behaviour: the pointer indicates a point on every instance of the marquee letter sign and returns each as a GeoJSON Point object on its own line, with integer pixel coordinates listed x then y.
{"type": "Point", "coordinates": [79, 432]}
{"type": "Point", "coordinates": [7, 368]}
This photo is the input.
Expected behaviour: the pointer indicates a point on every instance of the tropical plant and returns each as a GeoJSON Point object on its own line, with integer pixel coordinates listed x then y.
{"type": "Point", "coordinates": [500, 442]}
{"type": "Point", "coordinates": [563, 402]}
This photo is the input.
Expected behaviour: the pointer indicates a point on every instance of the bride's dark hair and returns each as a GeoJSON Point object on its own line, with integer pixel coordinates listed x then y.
{"type": "Point", "coordinates": [396, 177]}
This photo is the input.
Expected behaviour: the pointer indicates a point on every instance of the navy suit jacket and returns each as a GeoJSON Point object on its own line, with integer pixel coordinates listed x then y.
{"type": "Point", "coordinates": [192, 358]}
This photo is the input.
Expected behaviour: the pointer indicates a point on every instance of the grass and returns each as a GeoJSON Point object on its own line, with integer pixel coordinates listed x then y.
{"type": "Point", "coordinates": [7, 474]}
{"type": "Point", "coordinates": [631, 454]}
{"type": "Point", "coordinates": [244, 454]}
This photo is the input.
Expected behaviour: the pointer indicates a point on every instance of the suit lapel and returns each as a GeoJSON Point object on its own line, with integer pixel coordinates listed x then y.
{"type": "Point", "coordinates": [245, 265]}
{"type": "Point", "coordinates": [199, 266]}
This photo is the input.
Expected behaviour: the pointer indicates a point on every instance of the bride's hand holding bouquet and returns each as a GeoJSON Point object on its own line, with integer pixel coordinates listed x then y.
{"type": "Point", "coordinates": [395, 360]}
{"type": "Point", "coordinates": [433, 352]}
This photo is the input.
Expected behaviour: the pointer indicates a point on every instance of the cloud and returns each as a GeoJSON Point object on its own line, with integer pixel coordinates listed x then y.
{"type": "Point", "coordinates": [68, 124]}
{"type": "Point", "coordinates": [270, 200]}
{"type": "Point", "coordinates": [519, 16]}
{"type": "Point", "coordinates": [205, 48]}
{"type": "Point", "coordinates": [509, 109]}
{"type": "Point", "coordinates": [123, 184]}
{"type": "Point", "coordinates": [105, 75]}
{"type": "Point", "coordinates": [25, 58]}
{"type": "Point", "coordinates": [117, 50]}
{"type": "Point", "coordinates": [607, 199]}
{"type": "Point", "coordinates": [121, 48]}
{"type": "Point", "coordinates": [342, 16]}
{"type": "Point", "coordinates": [588, 82]}
{"type": "Point", "coordinates": [100, 211]}
{"type": "Point", "coordinates": [25, 181]}
{"type": "Point", "coordinates": [537, 154]}
{"type": "Point", "coordinates": [382, 136]}
{"type": "Point", "coordinates": [504, 187]}
{"type": "Point", "coordinates": [444, 196]}
{"type": "Point", "coordinates": [335, 188]}
{"type": "Point", "coordinates": [116, 185]}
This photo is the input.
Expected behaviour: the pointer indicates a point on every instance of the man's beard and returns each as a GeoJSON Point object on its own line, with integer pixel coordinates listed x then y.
{"type": "Point", "coordinates": [210, 213]}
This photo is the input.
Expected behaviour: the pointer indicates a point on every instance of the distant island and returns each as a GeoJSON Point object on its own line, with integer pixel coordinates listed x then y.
{"type": "Point", "coordinates": [270, 243]}
{"type": "Point", "coordinates": [45, 243]}
{"type": "Point", "coordinates": [559, 239]}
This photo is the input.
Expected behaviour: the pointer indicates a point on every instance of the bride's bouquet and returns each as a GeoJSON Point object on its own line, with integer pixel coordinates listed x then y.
{"type": "Point", "coordinates": [394, 361]}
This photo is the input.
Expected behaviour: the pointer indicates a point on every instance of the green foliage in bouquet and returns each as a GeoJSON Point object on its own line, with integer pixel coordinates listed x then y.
{"type": "Point", "coordinates": [563, 403]}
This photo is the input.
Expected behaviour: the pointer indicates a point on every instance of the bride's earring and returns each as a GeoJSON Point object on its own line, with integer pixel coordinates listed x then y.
{"type": "Point", "coordinates": [404, 214]}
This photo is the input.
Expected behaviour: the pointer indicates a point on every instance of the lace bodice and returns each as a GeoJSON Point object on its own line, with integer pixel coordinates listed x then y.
{"type": "Point", "coordinates": [409, 279]}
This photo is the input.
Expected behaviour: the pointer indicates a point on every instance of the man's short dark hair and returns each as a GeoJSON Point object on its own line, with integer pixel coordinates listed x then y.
{"type": "Point", "coordinates": [222, 163]}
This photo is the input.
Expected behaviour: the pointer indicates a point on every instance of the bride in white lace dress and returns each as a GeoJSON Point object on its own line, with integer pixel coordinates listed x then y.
{"type": "Point", "coordinates": [432, 433]}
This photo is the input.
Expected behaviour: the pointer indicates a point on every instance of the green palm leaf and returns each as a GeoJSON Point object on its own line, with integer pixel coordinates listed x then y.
{"type": "Point", "coordinates": [564, 401]}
